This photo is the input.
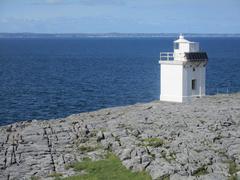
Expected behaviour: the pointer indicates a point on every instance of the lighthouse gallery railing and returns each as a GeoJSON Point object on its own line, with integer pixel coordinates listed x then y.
{"type": "Point", "coordinates": [166, 56]}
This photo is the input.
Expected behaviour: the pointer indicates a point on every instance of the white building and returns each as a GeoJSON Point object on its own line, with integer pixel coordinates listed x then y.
{"type": "Point", "coordinates": [183, 71]}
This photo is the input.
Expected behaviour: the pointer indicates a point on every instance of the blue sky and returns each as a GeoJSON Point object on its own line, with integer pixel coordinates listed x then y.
{"type": "Point", "coordinates": [124, 16]}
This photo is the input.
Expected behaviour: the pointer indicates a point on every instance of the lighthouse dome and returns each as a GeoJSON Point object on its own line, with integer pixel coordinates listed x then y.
{"type": "Point", "coordinates": [182, 40]}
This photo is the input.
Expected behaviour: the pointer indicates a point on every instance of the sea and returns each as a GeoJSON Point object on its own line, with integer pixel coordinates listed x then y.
{"type": "Point", "coordinates": [47, 78]}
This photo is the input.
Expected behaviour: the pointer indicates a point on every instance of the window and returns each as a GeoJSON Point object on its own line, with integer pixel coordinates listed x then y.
{"type": "Point", "coordinates": [176, 45]}
{"type": "Point", "coordinates": [193, 69]}
{"type": "Point", "coordinates": [193, 84]}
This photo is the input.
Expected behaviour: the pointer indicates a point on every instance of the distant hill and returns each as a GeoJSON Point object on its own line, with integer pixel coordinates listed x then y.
{"type": "Point", "coordinates": [107, 35]}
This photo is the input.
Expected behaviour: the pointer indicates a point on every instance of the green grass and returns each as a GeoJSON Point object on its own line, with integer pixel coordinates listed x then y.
{"type": "Point", "coordinates": [155, 142]}
{"type": "Point", "coordinates": [201, 171]}
{"type": "Point", "coordinates": [85, 148]}
{"type": "Point", "coordinates": [233, 169]}
{"type": "Point", "coordinates": [55, 174]}
{"type": "Point", "coordinates": [233, 177]}
{"type": "Point", "coordinates": [35, 178]}
{"type": "Point", "coordinates": [166, 178]}
{"type": "Point", "coordinates": [106, 169]}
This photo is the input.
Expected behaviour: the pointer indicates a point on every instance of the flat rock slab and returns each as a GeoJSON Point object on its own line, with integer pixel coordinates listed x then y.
{"type": "Point", "coordinates": [197, 140]}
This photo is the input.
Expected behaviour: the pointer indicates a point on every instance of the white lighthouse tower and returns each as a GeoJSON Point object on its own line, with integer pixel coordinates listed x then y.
{"type": "Point", "coordinates": [183, 71]}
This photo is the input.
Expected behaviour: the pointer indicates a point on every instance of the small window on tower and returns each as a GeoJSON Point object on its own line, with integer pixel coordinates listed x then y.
{"type": "Point", "coordinates": [193, 84]}
{"type": "Point", "coordinates": [176, 45]}
{"type": "Point", "coordinates": [193, 69]}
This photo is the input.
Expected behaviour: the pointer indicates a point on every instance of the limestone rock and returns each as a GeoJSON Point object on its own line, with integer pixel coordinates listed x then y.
{"type": "Point", "coordinates": [198, 138]}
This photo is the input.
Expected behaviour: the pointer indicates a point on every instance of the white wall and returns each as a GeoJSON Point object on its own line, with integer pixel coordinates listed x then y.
{"type": "Point", "coordinates": [183, 47]}
{"type": "Point", "coordinates": [179, 54]}
{"type": "Point", "coordinates": [189, 75]}
{"type": "Point", "coordinates": [176, 80]}
{"type": "Point", "coordinates": [171, 82]}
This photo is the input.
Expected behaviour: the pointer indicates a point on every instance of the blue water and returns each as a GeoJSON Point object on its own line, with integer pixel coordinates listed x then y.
{"type": "Point", "coordinates": [52, 78]}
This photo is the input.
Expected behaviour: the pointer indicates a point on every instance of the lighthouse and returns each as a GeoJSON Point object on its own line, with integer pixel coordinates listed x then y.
{"type": "Point", "coordinates": [183, 72]}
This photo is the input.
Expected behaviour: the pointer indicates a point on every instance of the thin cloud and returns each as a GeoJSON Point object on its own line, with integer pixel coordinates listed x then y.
{"type": "Point", "coordinates": [80, 2]}
{"type": "Point", "coordinates": [102, 2]}
{"type": "Point", "coordinates": [54, 1]}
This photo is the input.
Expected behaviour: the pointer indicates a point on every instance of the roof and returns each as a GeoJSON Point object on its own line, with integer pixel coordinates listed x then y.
{"type": "Point", "coordinates": [182, 40]}
{"type": "Point", "coordinates": [196, 56]}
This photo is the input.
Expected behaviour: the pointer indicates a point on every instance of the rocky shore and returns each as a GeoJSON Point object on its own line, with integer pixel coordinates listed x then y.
{"type": "Point", "coordinates": [197, 140]}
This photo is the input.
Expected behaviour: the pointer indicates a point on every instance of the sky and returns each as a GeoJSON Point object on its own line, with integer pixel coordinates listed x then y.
{"type": "Point", "coordinates": [121, 16]}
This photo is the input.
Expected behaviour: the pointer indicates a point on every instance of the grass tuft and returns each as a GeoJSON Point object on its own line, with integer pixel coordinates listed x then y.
{"type": "Point", "coordinates": [155, 142]}
{"type": "Point", "coordinates": [106, 169]}
{"type": "Point", "coordinates": [35, 178]}
{"type": "Point", "coordinates": [55, 174]}
{"type": "Point", "coordinates": [87, 148]}
{"type": "Point", "coordinates": [233, 177]}
{"type": "Point", "coordinates": [166, 177]}
{"type": "Point", "coordinates": [233, 169]}
{"type": "Point", "coordinates": [201, 171]}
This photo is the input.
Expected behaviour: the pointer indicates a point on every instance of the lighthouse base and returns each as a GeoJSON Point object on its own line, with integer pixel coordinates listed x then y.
{"type": "Point", "coordinates": [179, 99]}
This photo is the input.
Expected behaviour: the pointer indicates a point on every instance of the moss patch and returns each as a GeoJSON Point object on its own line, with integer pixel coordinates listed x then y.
{"type": "Point", "coordinates": [84, 148]}
{"type": "Point", "coordinates": [233, 177]}
{"type": "Point", "coordinates": [35, 178]}
{"type": "Point", "coordinates": [200, 171]}
{"type": "Point", "coordinates": [55, 174]}
{"type": "Point", "coordinates": [106, 169]}
{"type": "Point", "coordinates": [233, 169]}
{"type": "Point", "coordinates": [155, 142]}
{"type": "Point", "coordinates": [166, 178]}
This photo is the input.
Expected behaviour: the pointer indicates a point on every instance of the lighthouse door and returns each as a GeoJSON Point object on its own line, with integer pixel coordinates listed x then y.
{"type": "Point", "coordinates": [194, 86]}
